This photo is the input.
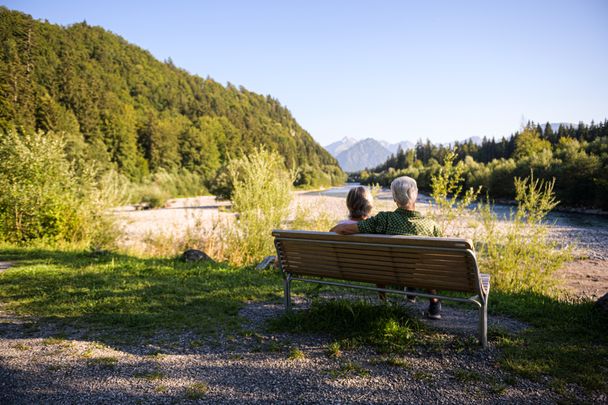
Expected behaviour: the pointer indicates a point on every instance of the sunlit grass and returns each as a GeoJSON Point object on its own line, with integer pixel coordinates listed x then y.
{"type": "Point", "coordinates": [126, 295]}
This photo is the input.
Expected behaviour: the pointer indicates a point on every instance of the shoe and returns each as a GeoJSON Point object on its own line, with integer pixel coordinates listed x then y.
{"type": "Point", "coordinates": [410, 298]}
{"type": "Point", "coordinates": [434, 311]}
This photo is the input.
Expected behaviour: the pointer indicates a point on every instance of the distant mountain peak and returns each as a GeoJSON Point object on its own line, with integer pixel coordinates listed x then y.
{"type": "Point", "coordinates": [356, 155]}
{"type": "Point", "coordinates": [339, 146]}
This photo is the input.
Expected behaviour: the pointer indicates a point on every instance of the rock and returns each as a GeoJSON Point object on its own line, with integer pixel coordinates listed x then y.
{"type": "Point", "coordinates": [98, 252]}
{"type": "Point", "coordinates": [602, 303]}
{"type": "Point", "coordinates": [268, 262]}
{"type": "Point", "coordinates": [194, 255]}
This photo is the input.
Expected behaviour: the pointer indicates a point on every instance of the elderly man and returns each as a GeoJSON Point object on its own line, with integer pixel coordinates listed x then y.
{"type": "Point", "coordinates": [405, 220]}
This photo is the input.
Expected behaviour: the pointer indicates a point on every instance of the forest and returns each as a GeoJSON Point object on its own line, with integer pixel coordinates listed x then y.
{"type": "Point", "coordinates": [119, 108]}
{"type": "Point", "coordinates": [575, 156]}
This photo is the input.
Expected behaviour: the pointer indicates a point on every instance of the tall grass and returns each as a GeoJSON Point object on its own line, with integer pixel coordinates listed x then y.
{"type": "Point", "coordinates": [519, 254]}
{"type": "Point", "coordinates": [262, 192]}
{"type": "Point", "coordinates": [522, 256]}
{"type": "Point", "coordinates": [450, 202]}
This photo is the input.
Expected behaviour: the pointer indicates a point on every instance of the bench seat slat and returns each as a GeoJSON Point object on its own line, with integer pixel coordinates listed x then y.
{"type": "Point", "coordinates": [382, 251]}
{"type": "Point", "coordinates": [375, 279]}
{"type": "Point", "coordinates": [439, 281]}
{"type": "Point", "coordinates": [367, 238]}
{"type": "Point", "coordinates": [385, 259]}
{"type": "Point", "coordinates": [452, 269]}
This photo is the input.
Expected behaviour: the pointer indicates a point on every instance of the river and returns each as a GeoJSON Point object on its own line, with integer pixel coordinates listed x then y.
{"type": "Point", "coordinates": [575, 220]}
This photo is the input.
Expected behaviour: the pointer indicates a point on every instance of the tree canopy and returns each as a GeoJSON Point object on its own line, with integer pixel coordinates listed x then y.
{"type": "Point", "coordinates": [120, 106]}
{"type": "Point", "coordinates": [576, 156]}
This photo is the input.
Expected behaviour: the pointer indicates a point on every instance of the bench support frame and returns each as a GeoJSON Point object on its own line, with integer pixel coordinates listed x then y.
{"type": "Point", "coordinates": [480, 300]}
{"type": "Point", "coordinates": [481, 304]}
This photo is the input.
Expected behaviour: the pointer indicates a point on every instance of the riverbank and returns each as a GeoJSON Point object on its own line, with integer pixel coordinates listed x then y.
{"type": "Point", "coordinates": [584, 278]}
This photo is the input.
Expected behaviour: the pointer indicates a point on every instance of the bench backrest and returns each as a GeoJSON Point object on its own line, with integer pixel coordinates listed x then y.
{"type": "Point", "coordinates": [413, 261]}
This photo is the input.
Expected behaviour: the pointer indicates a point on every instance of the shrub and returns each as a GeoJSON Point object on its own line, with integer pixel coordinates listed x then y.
{"type": "Point", "coordinates": [262, 192]}
{"type": "Point", "coordinates": [450, 203]}
{"type": "Point", "coordinates": [163, 185]}
{"type": "Point", "coordinates": [519, 253]}
{"type": "Point", "coordinates": [45, 197]}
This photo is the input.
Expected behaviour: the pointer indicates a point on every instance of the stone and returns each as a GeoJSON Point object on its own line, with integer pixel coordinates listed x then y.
{"type": "Point", "coordinates": [98, 252]}
{"type": "Point", "coordinates": [602, 303]}
{"type": "Point", "coordinates": [267, 263]}
{"type": "Point", "coordinates": [194, 255]}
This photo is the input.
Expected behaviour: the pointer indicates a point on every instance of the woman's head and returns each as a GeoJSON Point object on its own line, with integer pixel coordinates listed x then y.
{"type": "Point", "coordinates": [359, 202]}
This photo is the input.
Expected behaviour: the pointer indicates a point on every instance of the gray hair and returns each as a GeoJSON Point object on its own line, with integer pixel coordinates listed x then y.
{"type": "Point", "coordinates": [405, 190]}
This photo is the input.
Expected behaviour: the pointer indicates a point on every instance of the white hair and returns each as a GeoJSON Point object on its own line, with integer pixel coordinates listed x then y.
{"type": "Point", "coordinates": [405, 190]}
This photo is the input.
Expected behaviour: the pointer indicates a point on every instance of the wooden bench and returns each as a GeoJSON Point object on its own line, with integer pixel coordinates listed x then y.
{"type": "Point", "coordinates": [445, 264]}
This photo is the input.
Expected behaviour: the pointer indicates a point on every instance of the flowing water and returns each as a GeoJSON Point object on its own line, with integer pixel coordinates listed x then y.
{"type": "Point", "coordinates": [574, 220]}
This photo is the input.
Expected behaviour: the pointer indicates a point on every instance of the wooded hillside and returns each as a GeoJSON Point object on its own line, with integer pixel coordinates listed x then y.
{"type": "Point", "coordinates": [120, 106]}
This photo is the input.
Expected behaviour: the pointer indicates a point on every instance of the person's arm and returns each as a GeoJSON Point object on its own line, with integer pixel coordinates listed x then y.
{"type": "Point", "coordinates": [345, 229]}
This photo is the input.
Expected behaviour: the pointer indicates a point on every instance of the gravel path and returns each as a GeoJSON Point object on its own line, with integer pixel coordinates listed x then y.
{"type": "Point", "coordinates": [253, 368]}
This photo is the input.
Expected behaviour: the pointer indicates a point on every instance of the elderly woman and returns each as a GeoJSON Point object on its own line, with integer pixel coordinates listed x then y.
{"type": "Point", "coordinates": [405, 220]}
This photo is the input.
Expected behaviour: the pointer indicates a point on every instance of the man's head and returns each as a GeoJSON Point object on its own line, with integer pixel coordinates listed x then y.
{"type": "Point", "coordinates": [405, 192]}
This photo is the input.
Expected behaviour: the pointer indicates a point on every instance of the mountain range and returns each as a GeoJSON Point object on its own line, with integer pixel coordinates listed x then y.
{"type": "Point", "coordinates": [353, 155]}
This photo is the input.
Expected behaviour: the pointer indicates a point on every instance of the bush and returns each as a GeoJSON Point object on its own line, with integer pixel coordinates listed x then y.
{"type": "Point", "coordinates": [450, 203]}
{"type": "Point", "coordinates": [262, 192]}
{"type": "Point", "coordinates": [519, 254]}
{"type": "Point", "coordinates": [45, 197]}
{"type": "Point", "coordinates": [163, 185]}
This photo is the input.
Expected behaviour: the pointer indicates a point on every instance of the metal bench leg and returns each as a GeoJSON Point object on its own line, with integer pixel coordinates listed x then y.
{"type": "Point", "coordinates": [287, 286]}
{"type": "Point", "coordinates": [483, 324]}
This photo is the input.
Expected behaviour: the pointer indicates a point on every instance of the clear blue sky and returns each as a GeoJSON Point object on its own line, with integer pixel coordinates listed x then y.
{"type": "Point", "coordinates": [393, 70]}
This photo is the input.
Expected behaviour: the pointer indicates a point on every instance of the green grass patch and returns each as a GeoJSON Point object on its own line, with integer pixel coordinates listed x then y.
{"type": "Point", "coordinates": [333, 350]}
{"type": "Point", "coordinates": [389, 328]}
{"type": "Point", "coordinates": [400, 362]}
{"type": "Point", "coordinates": [467, 376]}
{"type": "Point", "coordinates": [22, 347]}
{"type": "Point", "coordinates": [104, 362]}
{"type": "Point", "coordinates": [296, 354]}
{"type": "Point", "coordinates": [567, 340]}
{"type": "Point", "coordinates": [125, 298]}
{"type": "Point", "coordinates": [150, 375]}
{"type": "Point", "coordinates": [349, 369]}
{"type": "Point", "coordinates": [197, 391]}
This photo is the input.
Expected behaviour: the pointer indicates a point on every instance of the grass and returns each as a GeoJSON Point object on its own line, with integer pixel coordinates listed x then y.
{"type": "Point", "coordinates": [197, 391]}
{"type": "Point", "coordinates": [127, 297]}
{"type": "Point", "coordinates": [333, 350]}
{"type": "Point", "coordinates": [349, 369]}
{"type": "Point", "coordinates": [389, 328]}
{"type": "Point", "coordinates": [466, 376]}
{"type": "Point", "coordinates": [567, 340]}
{"type": "Point", "coordinates": [104, 362]}
{"type": "Point", "coordinates": [116, 299]}
{"type": "Point", "coordinates": [296, 354]}
{"type": "Point", "coordinates": [150, 375]}
{"type": "Point", "coordinates": [398, 362]}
